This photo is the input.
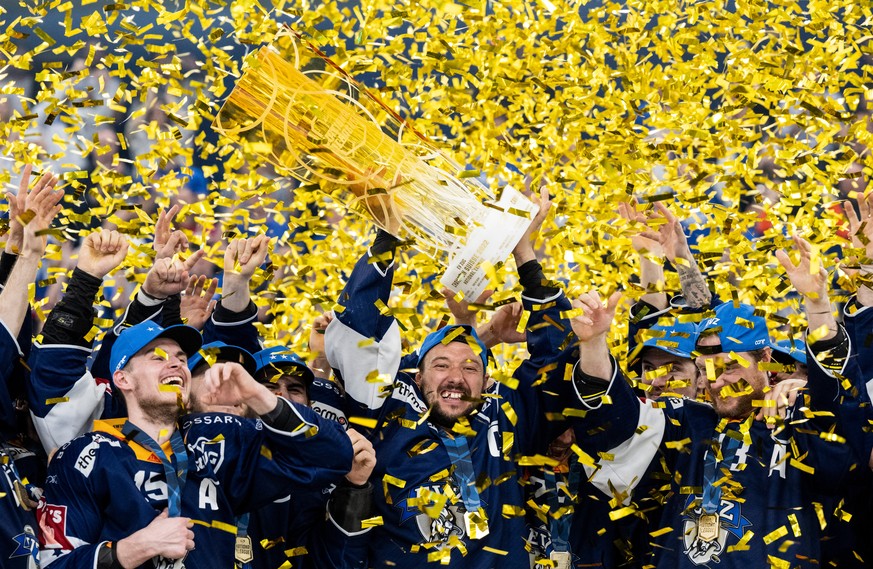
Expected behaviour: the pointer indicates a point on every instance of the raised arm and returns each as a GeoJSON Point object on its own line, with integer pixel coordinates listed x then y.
{"type": "Point", "coordinates": [64, 396]}
{"type": "Point", "coordinates": [233, 320]}
{"type": "Point", "coordinates": [648, 247]}
{"type": "Point", "coordinates": [39, 209]}
{"type": "Point", "coordinates": [362, 341]}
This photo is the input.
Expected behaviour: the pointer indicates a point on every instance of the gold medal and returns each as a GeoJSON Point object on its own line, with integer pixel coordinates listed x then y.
{"type": "Point", "coordinates": [708, 527]}
{"type": "Point", "coordinates": [476, 524]}
{"type": "Point", "coordinates": [244, 552]}
{"type": "Point", "coordinates": [560, 559]}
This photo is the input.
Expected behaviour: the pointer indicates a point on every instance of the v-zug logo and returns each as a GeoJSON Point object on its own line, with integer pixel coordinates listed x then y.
{"type": "Point", "coordinates": [208, 452]}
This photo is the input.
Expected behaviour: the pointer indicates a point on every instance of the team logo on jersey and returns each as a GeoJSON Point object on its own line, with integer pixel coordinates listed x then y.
{"type": "Point", "coordinates": [208, 452]}
{"type": "Point", "coordinates": [701, 549]}
{"type": "Point", "coordinates": [26, 545]}
{"type": "Point", "coordinates": [435, 525]}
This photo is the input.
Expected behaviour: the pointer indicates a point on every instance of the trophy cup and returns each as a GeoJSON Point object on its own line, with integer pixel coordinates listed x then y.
{"type": "Point", "coordinates": [320, 126]}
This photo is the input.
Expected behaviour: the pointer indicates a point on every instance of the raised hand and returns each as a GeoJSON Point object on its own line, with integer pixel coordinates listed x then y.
{"type": "Point", "coordinates": [229, 384]}
{"type": "Point", "coordinates": [316, 333]}
{"type": "Point", "coordinates": [169, 275]}
{"type": "Point", "coordinates": [461, 311]}
{"type": "Point", "coordinates": [102, 252]}
{"type": "Point", "coordinates": [244, 255]}
{"type": "Point", "coordinates": [17, 207]}
{"type": "Point", "coordinates": [241, 259]}
{"type": "Point", "coordinates": [197, 304]}
{"type": "Point", "coordinates": [596, 319]}
{"type": "Point", "coordinates": [503, 326]}
{"type": "Point", "coordinates": [784, 394]}
{"type": "Point", "coordinates": [163, 230]}
{"type": "Point", "coordinates": [364, 461]}
{"type": "Point", "coordinates": [171, 538]}
{"type": "Point", "coordinates": [810, 281]}
{"type": "Point", "coordinates": [672, 237]}
{"type": "Point", "coordinates": [524, 250]}
{"type": "Point", "coordinates": [643, 239]}
{"type": "Point", "coordinates": [176, 244]}
{"type": "Point", "coordinates": [861, 226]}
{"type": "Point", "coordinates": [592, 327]}
{"type": "Point", "coordinates": [42, 204]}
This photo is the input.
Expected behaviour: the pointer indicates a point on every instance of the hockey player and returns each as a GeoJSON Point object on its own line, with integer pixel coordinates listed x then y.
{"type": "Point", "coordinates": [19, 466]}
{"type": "Point", "coordinates": [740, 492]}
{"type": "Point", "coordinates": [65, 395]}
{"type": "Point", "coordinates": [448, 437]}
{"type": "Point", "coordinates": [141, 493]}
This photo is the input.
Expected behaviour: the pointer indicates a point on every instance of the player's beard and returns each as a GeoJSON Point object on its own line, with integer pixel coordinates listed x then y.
{"type": "Point", "coordinates": [738, 406]}
{"type": "Point", "coordinates": [440, 417]}
{"type": "Point", "coordinates": [161, 411]}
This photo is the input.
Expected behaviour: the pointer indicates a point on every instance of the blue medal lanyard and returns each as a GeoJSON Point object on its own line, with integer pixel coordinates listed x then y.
{"type": "Point", "coordinates": [711, 492]}
{"type": "Point", "coordinates": [459, 454]}
{"type": "Point", "coordinates": [175, 475]}
{"type": "Point", "coordinates": [559, 528]}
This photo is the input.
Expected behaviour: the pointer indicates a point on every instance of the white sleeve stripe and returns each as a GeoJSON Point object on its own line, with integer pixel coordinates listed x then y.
{"type": "Point", "coordinates": [376, 265]}
{"type": "Point", "coordinates": [14, 338]}
{"type": "Point", "coordinates": [62, 346]}
{"type": "Point", "coordinates": [299, 431]}
{"type": "Point", "coordinates": [235, 323]}
{"type": "Point", "coordinates": [828, 372]}
{"type": "Point", "coordinates": [857, 312]}
{"type": "Point", "coordinates": [599, 399]}
{"type": "Point", "coordinates": [555, 296]}
{"type": "Point", "coordinates": [347, 533]}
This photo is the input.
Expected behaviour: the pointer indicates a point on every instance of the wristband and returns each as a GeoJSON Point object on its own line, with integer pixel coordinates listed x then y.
{"type": "Point", "coordinates": [107, 557]}
{"type": "Point", "coordinates": [148, 300]}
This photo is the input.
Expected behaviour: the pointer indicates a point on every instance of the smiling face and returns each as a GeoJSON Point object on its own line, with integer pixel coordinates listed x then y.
{"type": "Point", "coordinates": [155, 379]}
{"type": "Point", "coordinates": [666, 373]}
{"type": "Point", "coordinates": [451, 378]}
{"type": "Point", "coordinates": [735, 386]}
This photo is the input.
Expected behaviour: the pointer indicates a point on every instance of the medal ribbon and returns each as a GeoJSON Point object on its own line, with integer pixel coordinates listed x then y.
{"type": "Point", "coordinates": [711, 492]}
{"type": "Point", "coordinates": [559, 528]}
{"type": "Point", "coordinates": [175, 475]}
{"type": "Point", "coordinates": [459, 454]}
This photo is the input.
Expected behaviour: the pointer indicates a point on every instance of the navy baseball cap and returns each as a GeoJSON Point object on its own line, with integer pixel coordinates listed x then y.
{"type": "Point", "coordinates": [132, 340]}
{"type": "Point", "coordinates": [672, 336]}
{"type": "Point", "coordinates": [223, 353]}
{"type": "Point", "coordinates": [450, 334]}
{"type": "Point", "coordinates": [276, 360]}
{"type": "Point", "coordinates": [794, 349]}
{"type": "Point", "coordinates": [738, 327]}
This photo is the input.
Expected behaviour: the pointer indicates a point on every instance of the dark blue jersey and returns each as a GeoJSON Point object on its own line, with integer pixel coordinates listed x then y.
{"type": "Point", "coordinates": [766, 514]}
{"type": "Point", "coordinates": [102, 488]}
{"type": "Point", "coordinates": [420, 501]}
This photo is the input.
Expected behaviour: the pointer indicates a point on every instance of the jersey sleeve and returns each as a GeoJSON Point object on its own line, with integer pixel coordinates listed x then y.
{"type": "Point", "coordinates": [64, 397]}
{"type": "Point", "coordinates": [257, 464]}
{"type": "Point", "coordinates": [69, 515]}
{"type": "Point", "coordinates": [9, 354]}
{"type": "Point", "coordinates": [233, 328]}
{"type": "Point", "coordinates": [621, 436]}
{"type": "Point", "coordinates": [859, 325]}
{"type": "Point", "coordinates": [840, 408]}
{"type": "Point", "coordinates": [362, 340]}
{"type": "Point", "coordinates": [332, 546]}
